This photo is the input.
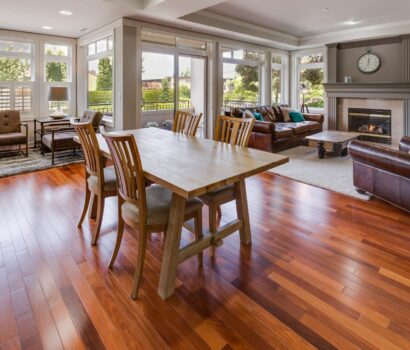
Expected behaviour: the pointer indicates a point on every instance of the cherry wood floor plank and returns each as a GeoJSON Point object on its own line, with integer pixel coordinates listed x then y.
{"type": "Point", "coordinates": [323, 270]}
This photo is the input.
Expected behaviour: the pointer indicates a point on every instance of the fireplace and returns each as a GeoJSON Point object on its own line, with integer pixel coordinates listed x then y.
{"type": "Point", "coordinates": [373, 124]}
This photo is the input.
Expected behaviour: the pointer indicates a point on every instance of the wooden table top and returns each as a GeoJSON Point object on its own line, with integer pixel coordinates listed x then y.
{"type": "Point", "coordinates": [333, 136]}
{"type": "Point", "coordinates": [191, 166]}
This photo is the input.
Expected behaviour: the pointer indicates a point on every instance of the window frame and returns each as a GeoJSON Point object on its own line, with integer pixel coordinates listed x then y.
{"type": "Point", "coordinates": [298, 68]}
{"type": "Point", "coordinates": [283, 67]}
{"type": "Point", "coordinates": [107, 119]}
{"type": "Point", "coordinates": [255, 63]}
{"type": "Point", "coordinates": [13, 85]}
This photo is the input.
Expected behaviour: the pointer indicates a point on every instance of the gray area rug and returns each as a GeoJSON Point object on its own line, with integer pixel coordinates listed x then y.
{"type": "Point", "coordinates": [13, 163]}
{"type": "Point", "coordinates": [334, 173]}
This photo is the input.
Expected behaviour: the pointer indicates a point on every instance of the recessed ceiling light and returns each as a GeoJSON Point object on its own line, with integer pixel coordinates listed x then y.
{"type": "Point", "coordinates": [65, 13]}
{"type": "Point", "coordinates": [351, 22]}
{"type": "Point", "coordinates": [47, 27]}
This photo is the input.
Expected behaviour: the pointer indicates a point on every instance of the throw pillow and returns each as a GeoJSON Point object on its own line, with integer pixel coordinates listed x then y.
{"type": "Point", "coordinates": [258, 116]}
{"type": "Point", "coordinates": [247, 114]}
{"type": "Point", "coordinates": [296, 116]}
{"type": "Point", "coordinates": [285, 113]}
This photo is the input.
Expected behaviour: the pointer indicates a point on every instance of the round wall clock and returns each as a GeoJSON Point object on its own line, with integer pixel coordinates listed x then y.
{"type": "Point", "coordinates": [369, 62]}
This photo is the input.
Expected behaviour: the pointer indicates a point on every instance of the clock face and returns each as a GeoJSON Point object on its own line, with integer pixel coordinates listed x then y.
{"type": "Point", "coordinates": [369, 63]}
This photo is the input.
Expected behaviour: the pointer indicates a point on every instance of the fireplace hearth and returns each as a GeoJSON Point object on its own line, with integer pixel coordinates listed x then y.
{"type": "Point", "coordinates": [374, 124]}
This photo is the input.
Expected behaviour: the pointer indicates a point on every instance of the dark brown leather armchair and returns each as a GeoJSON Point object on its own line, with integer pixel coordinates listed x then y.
{"type": "Point", "coordinates": [62, 138]}
{"type": "Point", "coordinates": [383, 172]}
{"type": "Point", "coordinates": [11, 133]}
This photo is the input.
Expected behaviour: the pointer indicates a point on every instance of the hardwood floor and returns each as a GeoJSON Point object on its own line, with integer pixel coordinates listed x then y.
{"type": "Point", "coordinates": [323, 271]}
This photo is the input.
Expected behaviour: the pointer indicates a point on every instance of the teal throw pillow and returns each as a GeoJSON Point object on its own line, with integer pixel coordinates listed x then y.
{"type": "Point", "coordinates": [296, 116]}
{"type": "Point", "coordinates": [258, 116]}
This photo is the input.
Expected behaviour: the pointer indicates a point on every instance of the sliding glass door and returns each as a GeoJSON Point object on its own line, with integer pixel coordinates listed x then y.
{"type": "Point", "coordinates": [171, 82]}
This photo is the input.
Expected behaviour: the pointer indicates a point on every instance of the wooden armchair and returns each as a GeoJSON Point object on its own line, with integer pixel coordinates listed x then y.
{"type": "Point", "coordinates": [11, 133]}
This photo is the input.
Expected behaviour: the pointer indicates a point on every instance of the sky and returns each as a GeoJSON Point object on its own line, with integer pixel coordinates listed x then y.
{"type": "Point", "coordinates": [159, 66]}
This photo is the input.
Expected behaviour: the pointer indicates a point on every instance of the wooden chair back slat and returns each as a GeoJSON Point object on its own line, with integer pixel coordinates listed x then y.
{"type": "Point", "coordinates": [91, 149]}
{"type": "Point", "coordinates": [128, 167]}
{"type": "Point", "coordinates": [232, 130]}
{"type": "Point", "coordinates": [186, 123]}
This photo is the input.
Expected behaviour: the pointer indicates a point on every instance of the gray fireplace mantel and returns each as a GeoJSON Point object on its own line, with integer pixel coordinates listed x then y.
{"type": "Point", "coordinates": [399, 91]}
{"type": "Point", "coordinates": [368, 90]}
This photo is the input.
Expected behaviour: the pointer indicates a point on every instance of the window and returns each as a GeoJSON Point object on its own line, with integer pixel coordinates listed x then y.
{"type": "Point", "coordinates": [100, 76]}
{"type": "Point", "coordinates": [277, 79]}
{"type": "Point", "coordinates": [310, 74]}
{"type": "Point", "coordinates": [16, 75]}
{"type": "Point", "coordinates": [57, 71]}
{"type": "Point", "coordinates": [241, 77]}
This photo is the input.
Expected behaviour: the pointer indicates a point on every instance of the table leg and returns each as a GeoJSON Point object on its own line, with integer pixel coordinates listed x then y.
{"type": "Point", "coordinates": [172, 240]}
{"type": "Point", "coordinates": [35, 134]}
{"type": "Point", "coordinates": [243, 213]}
{"type": "Point", "coordinates": [321, 150]}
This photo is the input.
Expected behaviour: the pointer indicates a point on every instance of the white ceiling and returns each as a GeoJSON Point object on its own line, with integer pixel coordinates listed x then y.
{"type": "Point", "coordinates": [31, 15]}
{"type": "Point", "coordinates": [302, 17]}
{"type": "Point", "coordinates": [280, 23]}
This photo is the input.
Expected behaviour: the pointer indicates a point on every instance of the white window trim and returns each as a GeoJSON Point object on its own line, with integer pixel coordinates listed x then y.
{"type": "Point", "coordinates": [108, 120]}
{"type": "Point", "coordinates": [12, 85]}
{"type": "Point", "coordinates": [284, 76]}
{"type": "Point", "coordinates": [255, 63]}
{"type": "Point", "coordinates": [296, 69]}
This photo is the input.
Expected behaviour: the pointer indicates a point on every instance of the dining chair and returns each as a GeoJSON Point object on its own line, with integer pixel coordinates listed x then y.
{"type": "Point", "coordinates": [145, 209]}
{"type": "Point", "coordinates": [101, 181]}
{"type": "Point", "coordinates": [186, 122]}
{"type": "Point", "coordinates": [235, 131]}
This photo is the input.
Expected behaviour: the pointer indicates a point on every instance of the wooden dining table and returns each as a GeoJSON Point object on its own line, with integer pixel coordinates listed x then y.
{"type": "Point", "coordinates": [190, 166]}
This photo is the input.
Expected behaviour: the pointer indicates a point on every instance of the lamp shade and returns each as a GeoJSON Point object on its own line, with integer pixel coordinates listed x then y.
{"type": "Point", "coordinates": [58, 93]}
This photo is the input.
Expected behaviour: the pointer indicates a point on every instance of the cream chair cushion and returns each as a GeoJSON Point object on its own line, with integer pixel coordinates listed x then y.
{"type": "Point", "coordinates": [158, 206]}
{"type": "Point", "coordinates": [110, 180]}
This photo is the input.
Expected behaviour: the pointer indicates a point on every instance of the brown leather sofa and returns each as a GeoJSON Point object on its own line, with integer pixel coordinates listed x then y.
{"type": "Point", "coordinates": [11, 133]}
{"type": "Point", "coordinates": [382, 172]}
{"type": "Point", "coordinates": [63, 138]}
{"type": "Point", "coordinates": [274, 134]}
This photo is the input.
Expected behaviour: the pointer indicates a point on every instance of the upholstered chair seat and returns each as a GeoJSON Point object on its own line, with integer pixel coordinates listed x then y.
{"type": "Point", "coordinates": [110, 180]}
{"type": "Point", "coordinates": [13, 138]}
{"type": "Point", "coordinates": [158, 206]}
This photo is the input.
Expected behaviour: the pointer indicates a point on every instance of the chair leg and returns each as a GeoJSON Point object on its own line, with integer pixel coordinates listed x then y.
{"type": "Point", "coordinates": [52, 157]}
{"type": "Point", "coordinates": [27, 149]}
{"type": "Point", "coordinates": [142, 247]}
{"type": "Point", "coordinates": [120, 232]}
{"type": "Point", "coordinates": [212, 227]}
{"type": "Point", "coordinates": [198, 234]}
{"type": "Point", "coordinates": [98, 219]}
{"type": "Point", "coordinates": [86, 205]}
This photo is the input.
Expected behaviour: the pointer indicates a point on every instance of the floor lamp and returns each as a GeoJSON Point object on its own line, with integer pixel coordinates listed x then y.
{"type": "Point", "coordinates": [304, 90]}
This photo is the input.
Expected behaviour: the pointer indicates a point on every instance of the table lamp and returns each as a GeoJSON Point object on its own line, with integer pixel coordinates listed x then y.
{"type": "Point", "coordinates": [58, 94]}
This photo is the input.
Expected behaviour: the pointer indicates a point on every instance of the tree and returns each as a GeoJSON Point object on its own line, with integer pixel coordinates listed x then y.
{"type": "Point", "coordinates": [14, 69]}
{"type": "Point", "coordinates": [104, 76]}
{"type": "Point", "coordinates": [165, 91]}
{"type": "Point", "coordinates": [56, 71]}
{"type": "Point", "coordinates": [249, 74]}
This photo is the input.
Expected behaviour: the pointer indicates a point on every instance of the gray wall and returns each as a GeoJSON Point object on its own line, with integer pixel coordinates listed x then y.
{"type": "Point", "coordinates": [390, 69]}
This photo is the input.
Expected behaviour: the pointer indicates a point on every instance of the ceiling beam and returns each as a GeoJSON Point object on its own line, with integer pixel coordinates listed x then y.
{"type": "Point", "coordinates": [177, 8]}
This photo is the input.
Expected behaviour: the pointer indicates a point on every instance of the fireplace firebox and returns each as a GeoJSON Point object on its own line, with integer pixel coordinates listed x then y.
{"type": "Point", "coordinates": [373, 124]}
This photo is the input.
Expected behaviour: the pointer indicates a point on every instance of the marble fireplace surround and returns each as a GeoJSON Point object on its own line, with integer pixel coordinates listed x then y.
{"type": "Point", "coordinates": [393, 96]}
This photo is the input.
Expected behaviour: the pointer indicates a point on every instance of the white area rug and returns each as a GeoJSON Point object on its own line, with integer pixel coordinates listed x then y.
{"type": "Point", "coordinates": [334, 173]}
